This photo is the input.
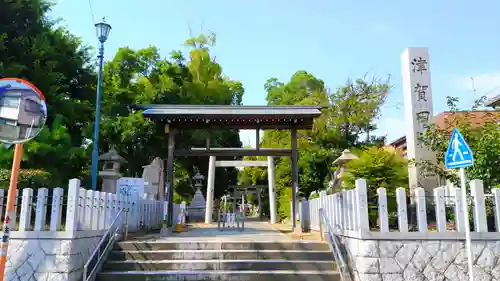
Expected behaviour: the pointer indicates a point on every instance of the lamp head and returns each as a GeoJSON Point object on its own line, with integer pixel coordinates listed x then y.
{"type": "Point", "coordinates": [102, 30]}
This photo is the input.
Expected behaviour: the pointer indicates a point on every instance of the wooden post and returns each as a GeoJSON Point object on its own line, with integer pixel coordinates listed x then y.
{"type": "Point", "coordinates": [496, 198]}
{"type": "Point", "coordinates": [362, 202]}
{"type": "Point", "coordinates": [26, 205]}
{"type": "Point", "coordinates": [421, 209]}
{"type": "Point", "coordinates": [89, 209]}
{"type": "Point", "coordinates": [73, 208]}
{"type": "Point", "coordinates": [170, 176]}
{"type": "Point", "coordinates": [477, 192]}
{"type": "Point", "coordinates": [56, 212]}
{"type": "Point", "coordinates": [295, 178]}
{"type": "Point", "coordinates": [440, 209]}
{"type": "Point", "coordinates": [402, 209]}
{"type": "Point", "coordinates": [41, 209]}
{"type": "Point", "coordinates": [103, 210]}
{"type": "Point", "coordinates": [383, 210]}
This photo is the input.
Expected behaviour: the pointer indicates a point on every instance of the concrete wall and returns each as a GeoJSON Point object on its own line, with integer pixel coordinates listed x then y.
{"type": "Point", "coordinates": [421, 257]}
{"type": "Point", "coordinates": [49, 256]}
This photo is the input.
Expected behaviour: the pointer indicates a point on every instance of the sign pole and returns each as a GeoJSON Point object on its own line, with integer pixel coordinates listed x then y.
{"type": "Point", "coordinates": [465, 203]}
{"type": "Point", "coordinates": [459, 156]}
{"type": "Point", "coordinates": [10, 213]}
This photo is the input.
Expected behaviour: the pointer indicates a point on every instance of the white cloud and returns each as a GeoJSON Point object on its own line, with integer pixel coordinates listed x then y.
{"type": "Point", "coordinates": [485, 84]}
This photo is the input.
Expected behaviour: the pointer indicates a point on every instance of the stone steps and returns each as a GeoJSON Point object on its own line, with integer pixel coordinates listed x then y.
{"type": "Point", "coordinates": [219, 255]}
{"type": "Point", "coordinates": [222, 246]}
{"type": "Point", "coordinates": [221, 261]}
{"type": "Point", "coordinates": [226, 265]}
{"type": "Point", "coordinates": [288, 275]}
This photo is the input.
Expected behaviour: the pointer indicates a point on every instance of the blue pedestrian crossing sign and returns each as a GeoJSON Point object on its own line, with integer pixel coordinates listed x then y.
{"type": "Point", "coordinates": [459, 154]}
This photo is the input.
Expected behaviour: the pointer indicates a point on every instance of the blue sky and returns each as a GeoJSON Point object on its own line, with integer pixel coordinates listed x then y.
{"type": "Point", "coordinates": [334, 40]}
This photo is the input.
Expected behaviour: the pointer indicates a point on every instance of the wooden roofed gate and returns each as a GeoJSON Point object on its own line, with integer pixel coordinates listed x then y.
{"type": "Point", "coordinates": [209, 117]}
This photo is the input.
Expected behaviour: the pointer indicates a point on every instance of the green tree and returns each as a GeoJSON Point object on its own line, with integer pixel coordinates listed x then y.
{"type": "Point", "coordinates": [143, 77]}
{"type": "Point", "coordinates": [349, 112]}
{"type": "Point", "coordinates": [380, 168]}
{"type": "Point", "coordinates": [483, 140]}
{"type": "Point", "coordinates": [33, 48]}
{"type": "Point", "coordinates": [50, 58]}
{"type": "Point", "coordinates": [353, 109]}
{"type": "Point", "coordinates": [48, 151]}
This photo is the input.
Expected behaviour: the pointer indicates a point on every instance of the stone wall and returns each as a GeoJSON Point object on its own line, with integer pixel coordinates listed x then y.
{"type": "Point", "coordinates": [54, 256]}
{"type": "Point", "coordinates": [420, 258]}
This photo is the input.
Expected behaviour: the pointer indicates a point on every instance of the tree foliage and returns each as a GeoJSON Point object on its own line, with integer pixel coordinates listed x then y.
{"type": "Point", "coordinates": [483, 140]}
{"type": "Point", "coordinates": [144, 77]}
{"type": "Point", "coordinates": [380, 168]}
{"type": "Point", "coordinates": [349, 112]}
{"type": "Point", "coordinates": [28, 178]}
{"type": "Point", "coordinates": [34, 48]}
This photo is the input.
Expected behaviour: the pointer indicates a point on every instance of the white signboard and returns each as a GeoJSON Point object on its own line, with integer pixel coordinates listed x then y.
{"type": "Point", "coordinates": [127, 186]}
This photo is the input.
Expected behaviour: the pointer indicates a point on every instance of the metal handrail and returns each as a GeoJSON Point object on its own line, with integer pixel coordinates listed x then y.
{"type": "Point", "coordinates": [109, 239]}
{"type": "Point", "coordinates": [334, 246]}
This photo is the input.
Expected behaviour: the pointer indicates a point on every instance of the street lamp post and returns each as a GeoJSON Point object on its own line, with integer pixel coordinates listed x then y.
{"type": "Point", "coordinates": [102, 31]}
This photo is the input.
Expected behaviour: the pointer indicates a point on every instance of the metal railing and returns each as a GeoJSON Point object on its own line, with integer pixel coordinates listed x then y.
{"type": "Point", "coordinates": [332, 239]}
{"type": "Point", "coordinates": [118, 227]}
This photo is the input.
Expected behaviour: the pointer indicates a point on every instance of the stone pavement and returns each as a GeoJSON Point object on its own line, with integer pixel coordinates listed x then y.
{"type": "Point", "coordinates": [254, 231]}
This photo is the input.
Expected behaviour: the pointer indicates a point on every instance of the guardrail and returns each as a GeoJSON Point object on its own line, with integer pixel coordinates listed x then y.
{"type": "Point", "coordinates": [118, 227]}
{"type": "Point", "coordinates": [325, 228]}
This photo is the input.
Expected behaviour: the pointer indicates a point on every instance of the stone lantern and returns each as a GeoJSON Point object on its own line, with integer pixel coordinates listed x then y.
{"type": "Point", "coordinates": [197, 206]}
{"type": "Point", "coordinates": [340, 163]}
{"type": "Point", "coordinates": [198, 180]}
{"type": "Point", "coordinates": [110, 172]}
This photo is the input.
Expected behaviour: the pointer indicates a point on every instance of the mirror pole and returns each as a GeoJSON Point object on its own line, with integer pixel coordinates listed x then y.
{"type": "Point", "coordinates": [9, 225]}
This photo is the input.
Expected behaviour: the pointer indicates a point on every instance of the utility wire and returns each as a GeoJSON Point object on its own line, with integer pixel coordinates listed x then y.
{"type": "Point", "coordinates": [91, 11]}
{"type": "Point", "coordinates": [496, 89]}
{"type": "Point", "coordinates": [487, 93]}
{"type": "Point", "coordinates": [473, 87]}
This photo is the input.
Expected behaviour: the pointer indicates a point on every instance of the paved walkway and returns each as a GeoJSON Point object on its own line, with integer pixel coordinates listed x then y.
{"type": "Point", "coordinates": [254, 231]}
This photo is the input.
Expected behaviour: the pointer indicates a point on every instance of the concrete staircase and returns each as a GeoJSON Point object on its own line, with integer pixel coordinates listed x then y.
{"type": "Point", "coordinates": [195, 261]}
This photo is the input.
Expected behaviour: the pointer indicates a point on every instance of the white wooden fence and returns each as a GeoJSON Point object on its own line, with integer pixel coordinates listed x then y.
{"type": "Point", "coordinates": [81, 210]}
{"type": "Point", "coordinates": [348, 210]}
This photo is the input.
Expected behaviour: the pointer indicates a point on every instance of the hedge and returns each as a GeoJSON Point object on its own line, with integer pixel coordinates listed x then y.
{"type": "Point", "coordinates": [28, 178]}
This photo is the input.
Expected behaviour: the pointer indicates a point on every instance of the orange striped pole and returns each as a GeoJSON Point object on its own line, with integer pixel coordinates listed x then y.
{"type": "Point", "coordinates": [8, 223]}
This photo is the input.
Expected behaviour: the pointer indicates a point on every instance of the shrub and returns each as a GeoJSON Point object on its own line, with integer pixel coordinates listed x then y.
{"type": "Point", "coordinates": [28, 178]}
{"type": "Point", "coordinates": [313, 196]}
{"type": "Point", "coordinates": [380, 168]}
{"type": "Point", "coordinates": [284, 199]}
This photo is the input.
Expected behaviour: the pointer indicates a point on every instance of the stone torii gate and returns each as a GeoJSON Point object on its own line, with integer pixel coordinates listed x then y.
{"type": "Point", "coordinates": [239, 164]}
{"type": "Point", "coordinates": [252, 189]}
